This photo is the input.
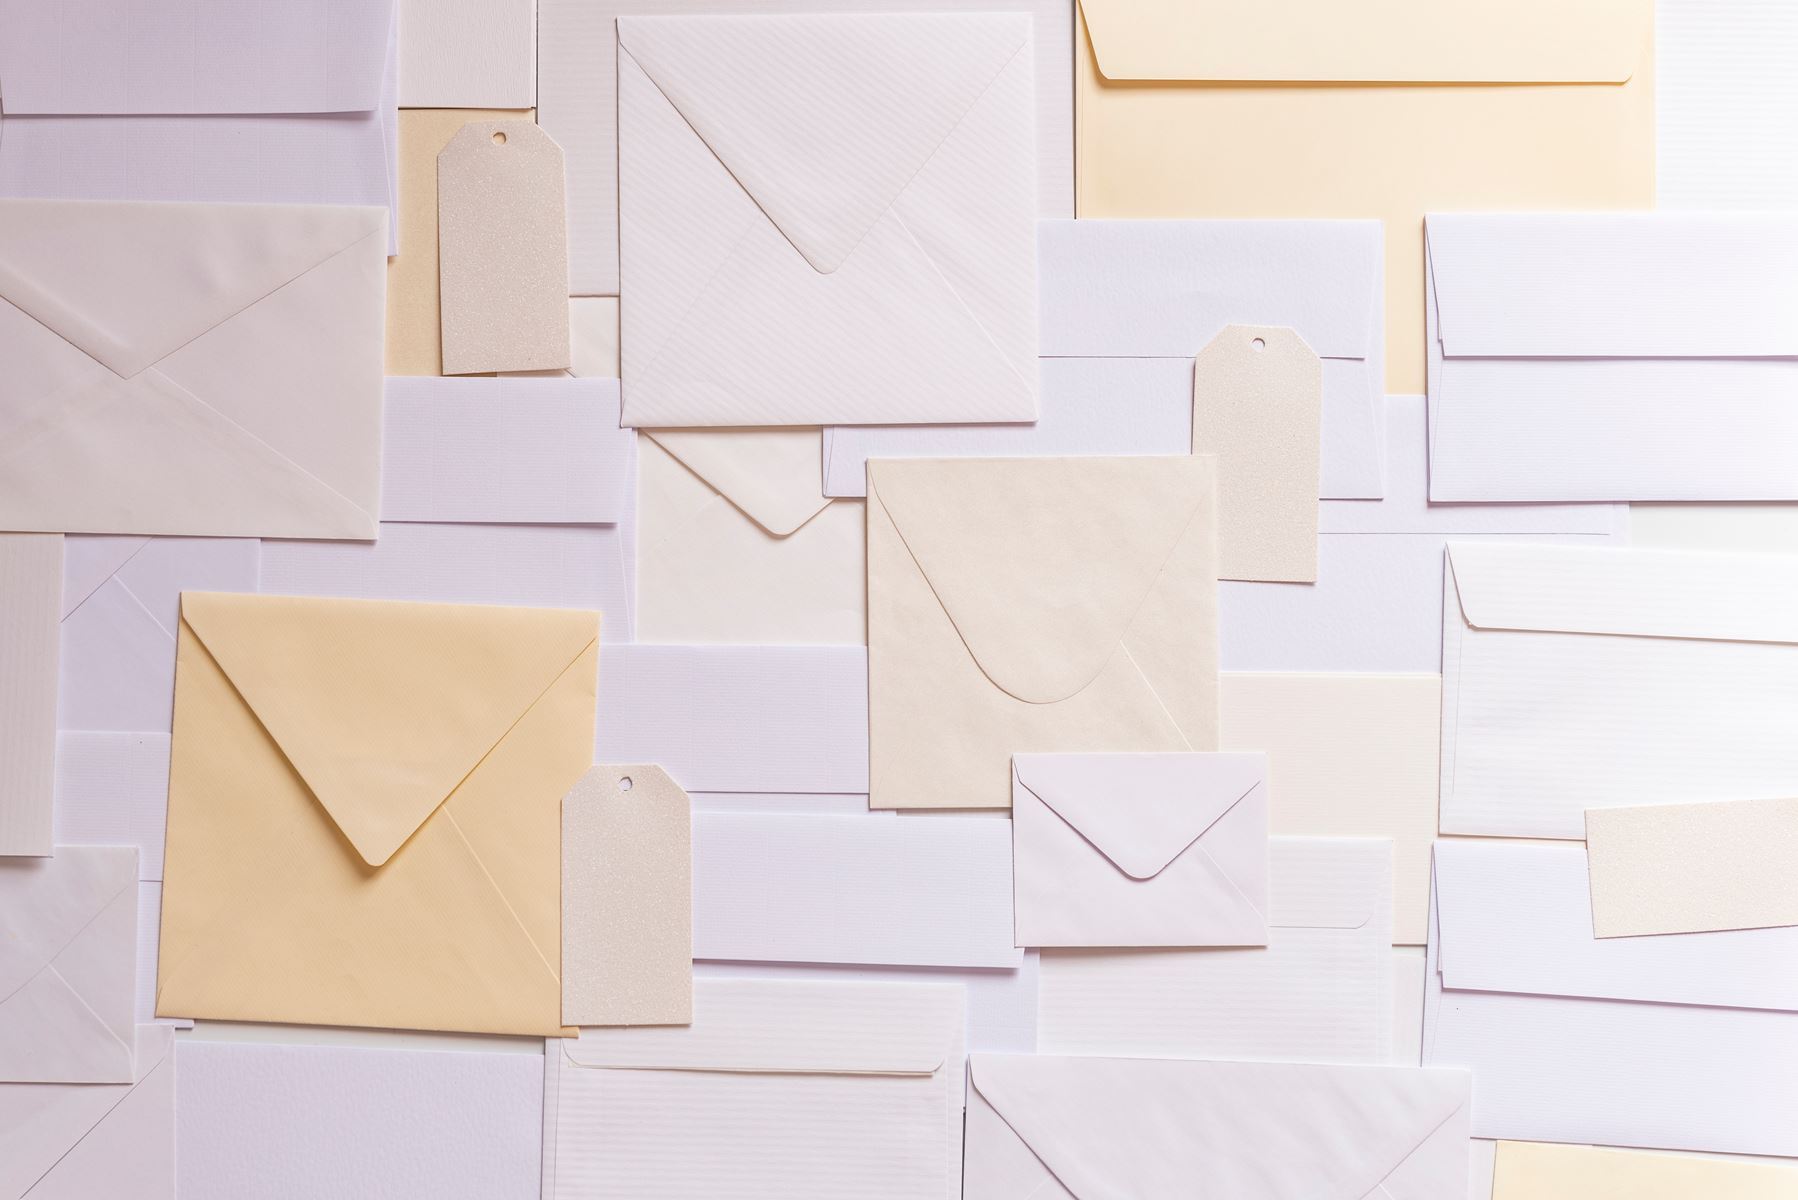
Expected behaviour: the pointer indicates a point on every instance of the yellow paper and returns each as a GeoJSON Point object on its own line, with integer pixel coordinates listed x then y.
{"type": "Point", "coordinates": [365, 811]}
{"type": "Point", "coordinates": [1541, 1171]}
{"type": "Point", "coordinates": [1249, 108]}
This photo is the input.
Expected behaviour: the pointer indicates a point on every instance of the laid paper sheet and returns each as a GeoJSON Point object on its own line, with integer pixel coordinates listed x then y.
{"type": "Point", "coordinates": [31, 598]}
{"type": "Point", "coordinates": [1690, 868]}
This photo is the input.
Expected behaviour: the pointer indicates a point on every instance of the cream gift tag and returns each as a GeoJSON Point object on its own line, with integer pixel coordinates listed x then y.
{"type": "Point", "coordinates": [627, 899]}
{"type": "Point", "coordinates": [1257, 403]}
{"type": "Point", "coordinates": [502, 235]}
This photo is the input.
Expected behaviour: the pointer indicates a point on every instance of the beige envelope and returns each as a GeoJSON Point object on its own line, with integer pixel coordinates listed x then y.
{"type": "Point", "coordinates": [1035, 604]}
{"type": "Point", "coordinates": [738, 543]}
{"type": "Point", "coordinates": [1391, 108]}
{"type": "Point", "coordinates": [1544, 1171]}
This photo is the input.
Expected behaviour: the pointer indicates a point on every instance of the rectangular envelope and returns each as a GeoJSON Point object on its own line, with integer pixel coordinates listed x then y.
{"type": "Point", "coordinates": [815, 252]}
{"type": "Point", "coordinates": [199, 369]}
{"type": "Point", "coordinates": [1581, 678]}
{"type": "Point", "coordinates": [1309, 108]}
{"type": "Point", "coordinates": [1613, 356]}
{"type": "Point", "coordinates": [1025, 605]}
{"type": "Point", "coordinates": [31, 597]}
{"type": "Point", "coordinates": [1544, 1171]}
{"type": "Point", "coordinates": [1734, 861]}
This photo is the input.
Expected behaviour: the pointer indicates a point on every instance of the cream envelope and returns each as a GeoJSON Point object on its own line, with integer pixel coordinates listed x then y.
{"type": "Point", "coordinates": [1023, 605]}
{"type": "Point", "coordinates": [798, 248]}
{"type": "Point", "coordinates": [68, 964]}
{"type": "Point", "coordinates": [1545, 1171]}
{"type": "Point", "coordinates": [365, 811]}
{"type": "Point", "coordinates": [738, 543]}
{"type": "Point", "coordinates": [31, 597]}
{"type": "Point", "coordinates": [1140, 849]}
{"type": "Point", "coordinates": [1167, 1129]}
{"type": "Point", "coordinates": [1309, 108]}
{"type": "Point", "coordinates": [204, 369]}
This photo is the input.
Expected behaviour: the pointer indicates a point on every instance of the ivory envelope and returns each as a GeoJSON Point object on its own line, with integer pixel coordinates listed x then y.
{"type": "Point", "coordinates": [1545, 1171]}
{"type": "Point", "coordinates": [1308, 108]}
{"type": "Point", "coordinates": [201, 369]}
{"type": "Point", "coordinates": [365, 811]}
{"type": "Point", "coordinates": [1163, 1129]}
{"type": "Point", "coordinates": [1020, 605]}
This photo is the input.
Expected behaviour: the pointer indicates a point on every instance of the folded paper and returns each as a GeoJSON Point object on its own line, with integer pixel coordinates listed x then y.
{"type": "Point", "coordinates": [1733, 862]}
{"type": "Point", "coordinates": [31, 597]}
{"type": "Point", "coordinates": [1543, 1171]}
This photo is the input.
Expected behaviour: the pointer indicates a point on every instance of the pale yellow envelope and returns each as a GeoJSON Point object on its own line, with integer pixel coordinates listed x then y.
{"type": "Point", "coordinates": [365, 811]}
{"type": "Point", "coordinates": [1386, 108]}
{"type": "Point", "coordinates": [1542, 1171]}
{"type": "Point", "coordinates": [1020, 605]}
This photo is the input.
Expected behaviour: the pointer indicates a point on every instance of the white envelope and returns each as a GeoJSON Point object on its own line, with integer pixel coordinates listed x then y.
{"type": "Point", "coordinates": [201, 369]}
{"type": "Point", "coordinates": [468, 54]}
{"type": "Point", "coordinates": [1320, 991]}
{"type": "Point", "coordinates": [1591, 678]}
{"type": "Point", "coordinates": [1619, 356]}
{"type": "Point", "coordinates": [1573, 1039]}
{"type": "Point", "coordinates": [1167, 1129]}
{"type": "Point", "coordinates": [31, 598]}
{"type": "Point", "coordinates": [871, 888]}
{"type": "Point", "coordinates": [1127, 304]}
{"type": "Point", "coordinates": [112, 789]}
{"type": "Point", "coordinates": [814, 252]}
{"type": "Point", "coordinates": [741, 1102]}
{"type": "Point", "coordinates": [1140, 849]}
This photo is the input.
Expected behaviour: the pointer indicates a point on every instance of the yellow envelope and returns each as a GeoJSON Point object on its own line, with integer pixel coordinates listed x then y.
{"type": "Point", "coordinates": [365, 811]}
{"type": "Point", "coordinates": [1541, 1171]}
{"type": "Point", "coordinates": [1385, 108]}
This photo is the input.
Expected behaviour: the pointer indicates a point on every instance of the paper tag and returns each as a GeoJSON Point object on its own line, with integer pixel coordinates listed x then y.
{"type": "Point", "coordinates": [627, 899]}
{"type": "Point", "coordinates": [502, 236]}
{"type": "Point", "coordinates": [1257, 403]}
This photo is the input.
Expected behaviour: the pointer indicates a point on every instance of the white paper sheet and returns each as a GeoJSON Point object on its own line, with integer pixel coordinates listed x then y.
{"type": "Point", "coordinates": [468, 54]}
{"type": "Point", "coordinates": [112, 789]}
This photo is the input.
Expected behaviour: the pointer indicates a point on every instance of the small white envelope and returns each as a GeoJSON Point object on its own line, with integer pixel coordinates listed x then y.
{"type": "Point", "coordinates": [1140, 849]}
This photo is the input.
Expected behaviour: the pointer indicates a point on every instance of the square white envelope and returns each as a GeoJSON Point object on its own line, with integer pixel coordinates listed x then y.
{"type": "Point", "coordinates": [1169, 1129]}
{"type": "Point", "coordinates": [1577, 678]}
{"type": "Point", "coordinates": [1613, 356]}
{"type": "Point", "coordinates": [741, 1102]}
{"type": "Point", "coordinates": [1140, 849]}
{"type": "Point", "coordinates": [1125, 307]}
{"type": "Point", "coordinates": [799, 246]}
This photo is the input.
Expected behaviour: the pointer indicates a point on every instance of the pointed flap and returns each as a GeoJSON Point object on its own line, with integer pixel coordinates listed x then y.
{"type": "Point", "coordinates": [88, 562]}
{"type": "Point", "coordinates": [1140, 810]}
{"type": "Point", "coordinates": [1376, 41]}
{"type": "Point", "coordinates": [824, 120]}
{"type": "Point", "coordinates": [384, 707]}
{"type": "Point", "coordinates": [1042, 563]}
{"type": "Point", "coordinates": [45, 903]}
{"type": "Point", "coordinates": [774, 476]}
{"type": "Point", "coordinates": [128, 283]}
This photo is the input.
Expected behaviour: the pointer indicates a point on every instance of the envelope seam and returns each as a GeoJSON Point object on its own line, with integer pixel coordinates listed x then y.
{"type": "Point", "coordinates": [99, 912]}
{"type": "Point", "coordinates": [88, 1132]}
{"type": "Point", "coordinates": [1123, 645]}
{"type": "Point", "coordinates": [112, 575]}
{"type": "Point", "coordinates": [1434, 1129]}
{"type": "Point", "coordinates": [82, 1001]}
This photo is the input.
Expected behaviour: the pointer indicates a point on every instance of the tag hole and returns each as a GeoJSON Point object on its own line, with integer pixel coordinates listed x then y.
{"type": "Point", "coordinates": [624, 785]}
{"type": "Point", "coordinates": [499, 138]}
{"type": "Point", "coordinates": [1258, 344]}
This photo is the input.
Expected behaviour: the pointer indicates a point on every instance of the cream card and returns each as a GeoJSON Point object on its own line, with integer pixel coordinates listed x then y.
{"type": "Point", "coordinates": [1546, 1171]}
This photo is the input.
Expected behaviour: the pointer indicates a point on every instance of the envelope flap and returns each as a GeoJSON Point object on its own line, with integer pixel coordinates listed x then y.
{"type": "Point", "coordinates": [88, 562]}
{"type": "Point", "coordinates": [1141, 811]}
{"type": "Point", "coordinates": [824, 119]}
{"type": "Point", "coordinates": [774, 476]}
{"type": "Point", "coordinates": [384, 707]}
{"type": "Point", "coordinates": [1041, 564]}
{"type": "Point", "coordinates": [45, 903]}
{"type": "Point", "coordinates": [1375, 41]}
{"type": "Point", "coordinates": [129, 283]}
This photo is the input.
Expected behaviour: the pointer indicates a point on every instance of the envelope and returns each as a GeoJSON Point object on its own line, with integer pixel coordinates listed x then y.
{"type": "Point", "coordinates": [1126, 305]}
{"type": "Point", "coordinates": [67, 928]}
{"type": "Point", "coordinates": [1319, 991]}
{"type": "Point", "coordinates": [87, 1139]}
{"type": "Point", "coordinates": [900, 238]}
{"type": "Point", "coordinates": [1092, 1128]}
{"type": "Point", "coordinates": [398, 864]}
{"type": "Point", "coordinates": [31, 596]}
{"type": "Point", "coordinates": [1305, 108]}
{"type": "Point", "coordinates": [468, 54]}
{"type": "Point", "coordinates": [739, 1102]}
{"type": "Point", "coordinates": [1025, 605]}
{"type": "Point", "coordinates": [739, 544]}
{"type": "Point", "coordinates": [197, 369]}
{"type": "Point", "coordinates": [112, 789]}
{"type": "Point", "coordinates": [1578, 678]}
{"type": "Point", "coordinates": [1140, 849]}
{"type": "Point", "coordinates": [1543, 1171]}
{"type": "Point", "coordinates": [1732, 860]}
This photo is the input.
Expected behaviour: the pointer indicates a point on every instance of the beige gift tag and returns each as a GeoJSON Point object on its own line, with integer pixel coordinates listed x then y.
{"type": "Point", "coordinates": [502, 236]}
{"type": "Point", "coordinates": [627, 899]}
{"type": "Point", "coordinates": [1257, 403]}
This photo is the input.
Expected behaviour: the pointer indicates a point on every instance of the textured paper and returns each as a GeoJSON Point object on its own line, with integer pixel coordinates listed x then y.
{"type": "Point", "coordinates": [1723, 96]}
{"type": "Point", "coordinates": [468, 54]}
{"type": "Point", "coordinates": [502, 237]}
{"type": "Point", "coordinates": [627, 899]}
{"type": "Point", "coordinates": [1543, 1171]}
{"type": "Point", "coordinates": [1030, 605]}
{"type": "Point", "coordinates": [31, 598]}
{"type": "Point", "coordinates": [1257, 401]}
{"type": "Point", "coordinates": [112, 789]}
{"type": "Point", "coordinates": [407, 764]}
{"type": "Point", "coordinates": [1690, 868]}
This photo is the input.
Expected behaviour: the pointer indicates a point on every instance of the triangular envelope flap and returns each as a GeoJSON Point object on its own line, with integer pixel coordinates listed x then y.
{"type": "Point", "coordinates": [384, 707]}
{"type": "Point", "coordinates": [1593, 285]}
{"type": "Point", "coordinates": [1383, 41]}
{"type": "Point", "coordinates": [824, 119]}
{"type": "Point", "coordinates": [1042, 563]}
{"type": "Point", "coordinates": [1628, 592]}
{"type": "Point", "coordinates": [1140, 810]}
{"type": "Point", "coordinates": [774, 476]}
{"type": "Point", "coordinates": [1110, 1127]}
{"type": "Point", "coordinates": [45, 903]}
{"type": "Point", "coordinates": [88, 562]}
{"type": "Point", "coordinates": [129, 283]}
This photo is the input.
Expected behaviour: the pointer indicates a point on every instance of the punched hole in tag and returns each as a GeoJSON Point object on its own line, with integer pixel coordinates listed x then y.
{"type": "Point", "coordinates": [499, 137]}
{"type": "Point", "coordinates": [624, 783]}
{"type": "Point", "coordinates": [1258, 344]}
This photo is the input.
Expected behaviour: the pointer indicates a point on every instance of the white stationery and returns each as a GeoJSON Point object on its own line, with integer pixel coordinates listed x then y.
{"type": "Point", "coordinates": [468, 54]}
{"type": "Point", "coordinates": [112, 789]}
{"type": "Point", "coordinates": [31, 597]}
